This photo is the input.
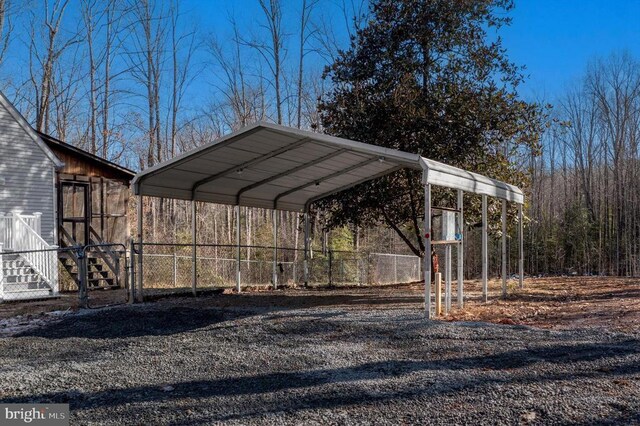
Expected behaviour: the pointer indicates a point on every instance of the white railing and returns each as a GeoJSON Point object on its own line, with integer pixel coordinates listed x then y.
{"type": "Point", "coordinates": [33, 221]}
{"type": "Point", "coordinates": [19, 234]}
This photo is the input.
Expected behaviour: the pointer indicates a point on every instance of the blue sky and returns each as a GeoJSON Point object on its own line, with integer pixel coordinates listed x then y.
{"type": "Point", "coordinates": [556, 39]}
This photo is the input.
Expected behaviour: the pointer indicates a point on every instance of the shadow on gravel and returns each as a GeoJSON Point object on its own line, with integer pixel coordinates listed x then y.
{"type": "Point", "coordinates": [171, 317]}
{"type": "Point", "coordinates": [347, 394]}
{"type": "Point", "coordinates": [133, 322]}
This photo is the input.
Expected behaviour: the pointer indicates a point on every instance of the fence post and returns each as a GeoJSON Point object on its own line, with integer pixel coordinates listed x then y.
{"type": "Point", "coordinates": [53, 268]}
{"type": "Point", "coordinates": [330, 267]}
{"type": "Point", "coordinates": [82, 272]}
{"type": "Point", "coordinates": [132, 272]}
{"type": "Point", "coordinates": [175, 268]}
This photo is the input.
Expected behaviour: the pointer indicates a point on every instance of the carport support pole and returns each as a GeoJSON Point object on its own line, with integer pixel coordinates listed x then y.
{"type": "Point", "coordinates": [485, 254]}
{"type": "Point", "coordinates": [275, 249]}
{"type": "Point", "coordinates": [461, 249]}
{"type": "Point", "coordinates": [504, 248]}
{"type": "Point", "coordinates": [306, 248]}
{"type": "Point", "coordinates": [139, 296]}
{"type": "Point", "coordinates": [427, 250]}
{"type": "Point", "coordinates": [447, 278]}
{"type": "Point", "coordinates": [194, 248]}
{"type": "Point", "coordinates": [521, 246]}
{"type": "Point", "coordinates": [238, 249]}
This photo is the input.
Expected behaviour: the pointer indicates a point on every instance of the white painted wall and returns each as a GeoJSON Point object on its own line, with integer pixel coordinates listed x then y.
{"type": "Point", "coordinates": [27, 175]}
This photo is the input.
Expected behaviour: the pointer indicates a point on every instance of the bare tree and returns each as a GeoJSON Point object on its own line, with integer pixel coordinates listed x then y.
{"type": "Point", "coordinates": [45, 55]}
{"type": "Point", "coordinates": [146, 58]}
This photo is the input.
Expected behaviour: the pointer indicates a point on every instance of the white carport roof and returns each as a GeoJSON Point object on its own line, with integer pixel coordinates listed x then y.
{"type": "Point", "coordinates": [277, 167]}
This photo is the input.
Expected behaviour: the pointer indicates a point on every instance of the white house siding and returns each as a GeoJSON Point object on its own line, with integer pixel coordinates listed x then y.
{"type": "Point", "coordinates": [26, 175]}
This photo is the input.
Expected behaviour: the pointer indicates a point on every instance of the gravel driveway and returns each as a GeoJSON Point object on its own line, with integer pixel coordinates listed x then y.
{"type": "Point", "coordinates": [186, 361]}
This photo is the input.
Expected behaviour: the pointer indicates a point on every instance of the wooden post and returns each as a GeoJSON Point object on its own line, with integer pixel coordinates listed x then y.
{"type": "Point", "coordinates": [461, 249]}
{"type": "Point", "coordinates": [140, 296]}
{"type": "Point", "coordinates": [438, 282]}
{"type": "Point", "coordinates": [427, 250]}
{"type": "Point", "coordinates": [238, 278]}
{"type": "Point", "coordinates": [521, 247]}
{"type": "Point", "coordinates": [485, 254]}
{"type": "Point", "coordinates": [504, 248]}
{"type": "Point", "coordinates": [194, 248]}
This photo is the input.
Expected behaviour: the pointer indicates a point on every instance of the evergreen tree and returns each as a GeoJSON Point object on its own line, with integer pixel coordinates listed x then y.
{"type": "Point", "coordinates": [428, 77]}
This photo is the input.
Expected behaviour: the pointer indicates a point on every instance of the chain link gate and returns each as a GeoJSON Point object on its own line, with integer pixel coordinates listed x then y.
{"type": "Point", "coordinates": [103, 271]}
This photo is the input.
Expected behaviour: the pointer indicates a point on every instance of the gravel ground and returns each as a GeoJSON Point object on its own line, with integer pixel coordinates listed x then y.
{"type": "Point", "coordinates": [185, 361]}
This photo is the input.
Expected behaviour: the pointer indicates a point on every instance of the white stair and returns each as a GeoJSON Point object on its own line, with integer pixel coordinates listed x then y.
{"type": "Point", "coordinates": [21, 281]}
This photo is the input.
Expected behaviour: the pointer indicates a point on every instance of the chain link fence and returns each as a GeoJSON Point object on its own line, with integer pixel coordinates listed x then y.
{"type": "Point", "coordinates": [66, 278]}
{"type": "Point", "coordinates": [168, 268]}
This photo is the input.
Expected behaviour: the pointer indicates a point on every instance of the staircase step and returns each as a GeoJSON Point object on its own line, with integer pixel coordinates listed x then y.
{"type": "Point", "coordinates": [18, 270]}
{"type": "Point", "coordinates": [18, 263]}
{"type": "Point", "coordinates": [25, 278]}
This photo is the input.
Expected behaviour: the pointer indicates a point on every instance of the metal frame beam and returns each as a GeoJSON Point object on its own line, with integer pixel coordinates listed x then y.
{"type": "Point", "coordinates": [322, 179]}
{"type": "Point", "coordinates": [504, 248]}
{"type": "Point", "coordinates": [194, 248]}
{"type": "Point", "coordinates": [238, 226]}
{"type": "Point", "coordinates": [140, 295]}
{"type": "Point", "coordinates": [253, 162]}
{"type": "Point", "coordinates": [306, 247]}
{"type": "Point", "coordinates": [460, 252]}
{"type": "Point", "coordinates": [274, 278]}
{"type": "Point", "coordinates": [288, 172]}
{"type": "Point", "coordinates": [520, 247]}
{"type": "Point", "coordinates": [351, 185]}
{"type": "Point", "coordinates": [427, 250]}
{"type": "Point", "coordinates": [485, 252]}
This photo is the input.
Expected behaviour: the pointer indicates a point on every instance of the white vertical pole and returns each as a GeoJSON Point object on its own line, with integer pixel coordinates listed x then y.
{"type": "Point", "coordinates": [140, 296]}
{"type": "Point", "coordinates": [504, 248]}
{"type": "Point", "coordinates": [274, 279]}
{"type": "Point", "coordinates": [306, 248]}
{"type": "Point", "coordinates": [175, 268]}
{"type": "Point", "coordinates": [447, 278]}
{"type": "Point", "coordinates": [485, 254]}
{"type": "Point", "coordinates": [194, 248]}
{"type": "Point", "coordinates": [521, 248]}
{"type": "Point", "coordinates": [461, 249]}
{"type": "Point", "coordinates": [427, 250]}
{"type": "Point", "coordinates": [238, 249]}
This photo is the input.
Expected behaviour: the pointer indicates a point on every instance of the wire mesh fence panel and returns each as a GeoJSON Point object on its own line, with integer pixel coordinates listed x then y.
{"type": "Point", "coordinates": [29, 274]}
{"type": "Point", "coordinates": [348, 268]}
{"type": "Point", "coordinates": [394, 268]}
{"type": "Point", "coordinates": [52, 278]}
{"type": "Point", "coordinates": [169, 267]}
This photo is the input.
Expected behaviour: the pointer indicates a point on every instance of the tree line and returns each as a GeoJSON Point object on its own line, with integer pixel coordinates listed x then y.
{"type": "Point", "coordinates": [139, 82]}
{"type": "Point", "coordinates": [585, 206]}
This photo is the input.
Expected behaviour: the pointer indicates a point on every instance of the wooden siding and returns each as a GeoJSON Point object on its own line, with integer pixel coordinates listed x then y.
{"type": "Point", "coordinates": [27, 175]}
{"type": "Point", "coordinates": [77, 162]}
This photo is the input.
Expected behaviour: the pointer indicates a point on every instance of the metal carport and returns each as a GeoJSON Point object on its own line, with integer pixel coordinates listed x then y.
{"type": "Point", "coordinates": [281, 168]}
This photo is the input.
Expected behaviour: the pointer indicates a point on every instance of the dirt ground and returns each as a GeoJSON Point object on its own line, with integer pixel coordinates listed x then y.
{"type": "Point", "coordinates": [558, 303]}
